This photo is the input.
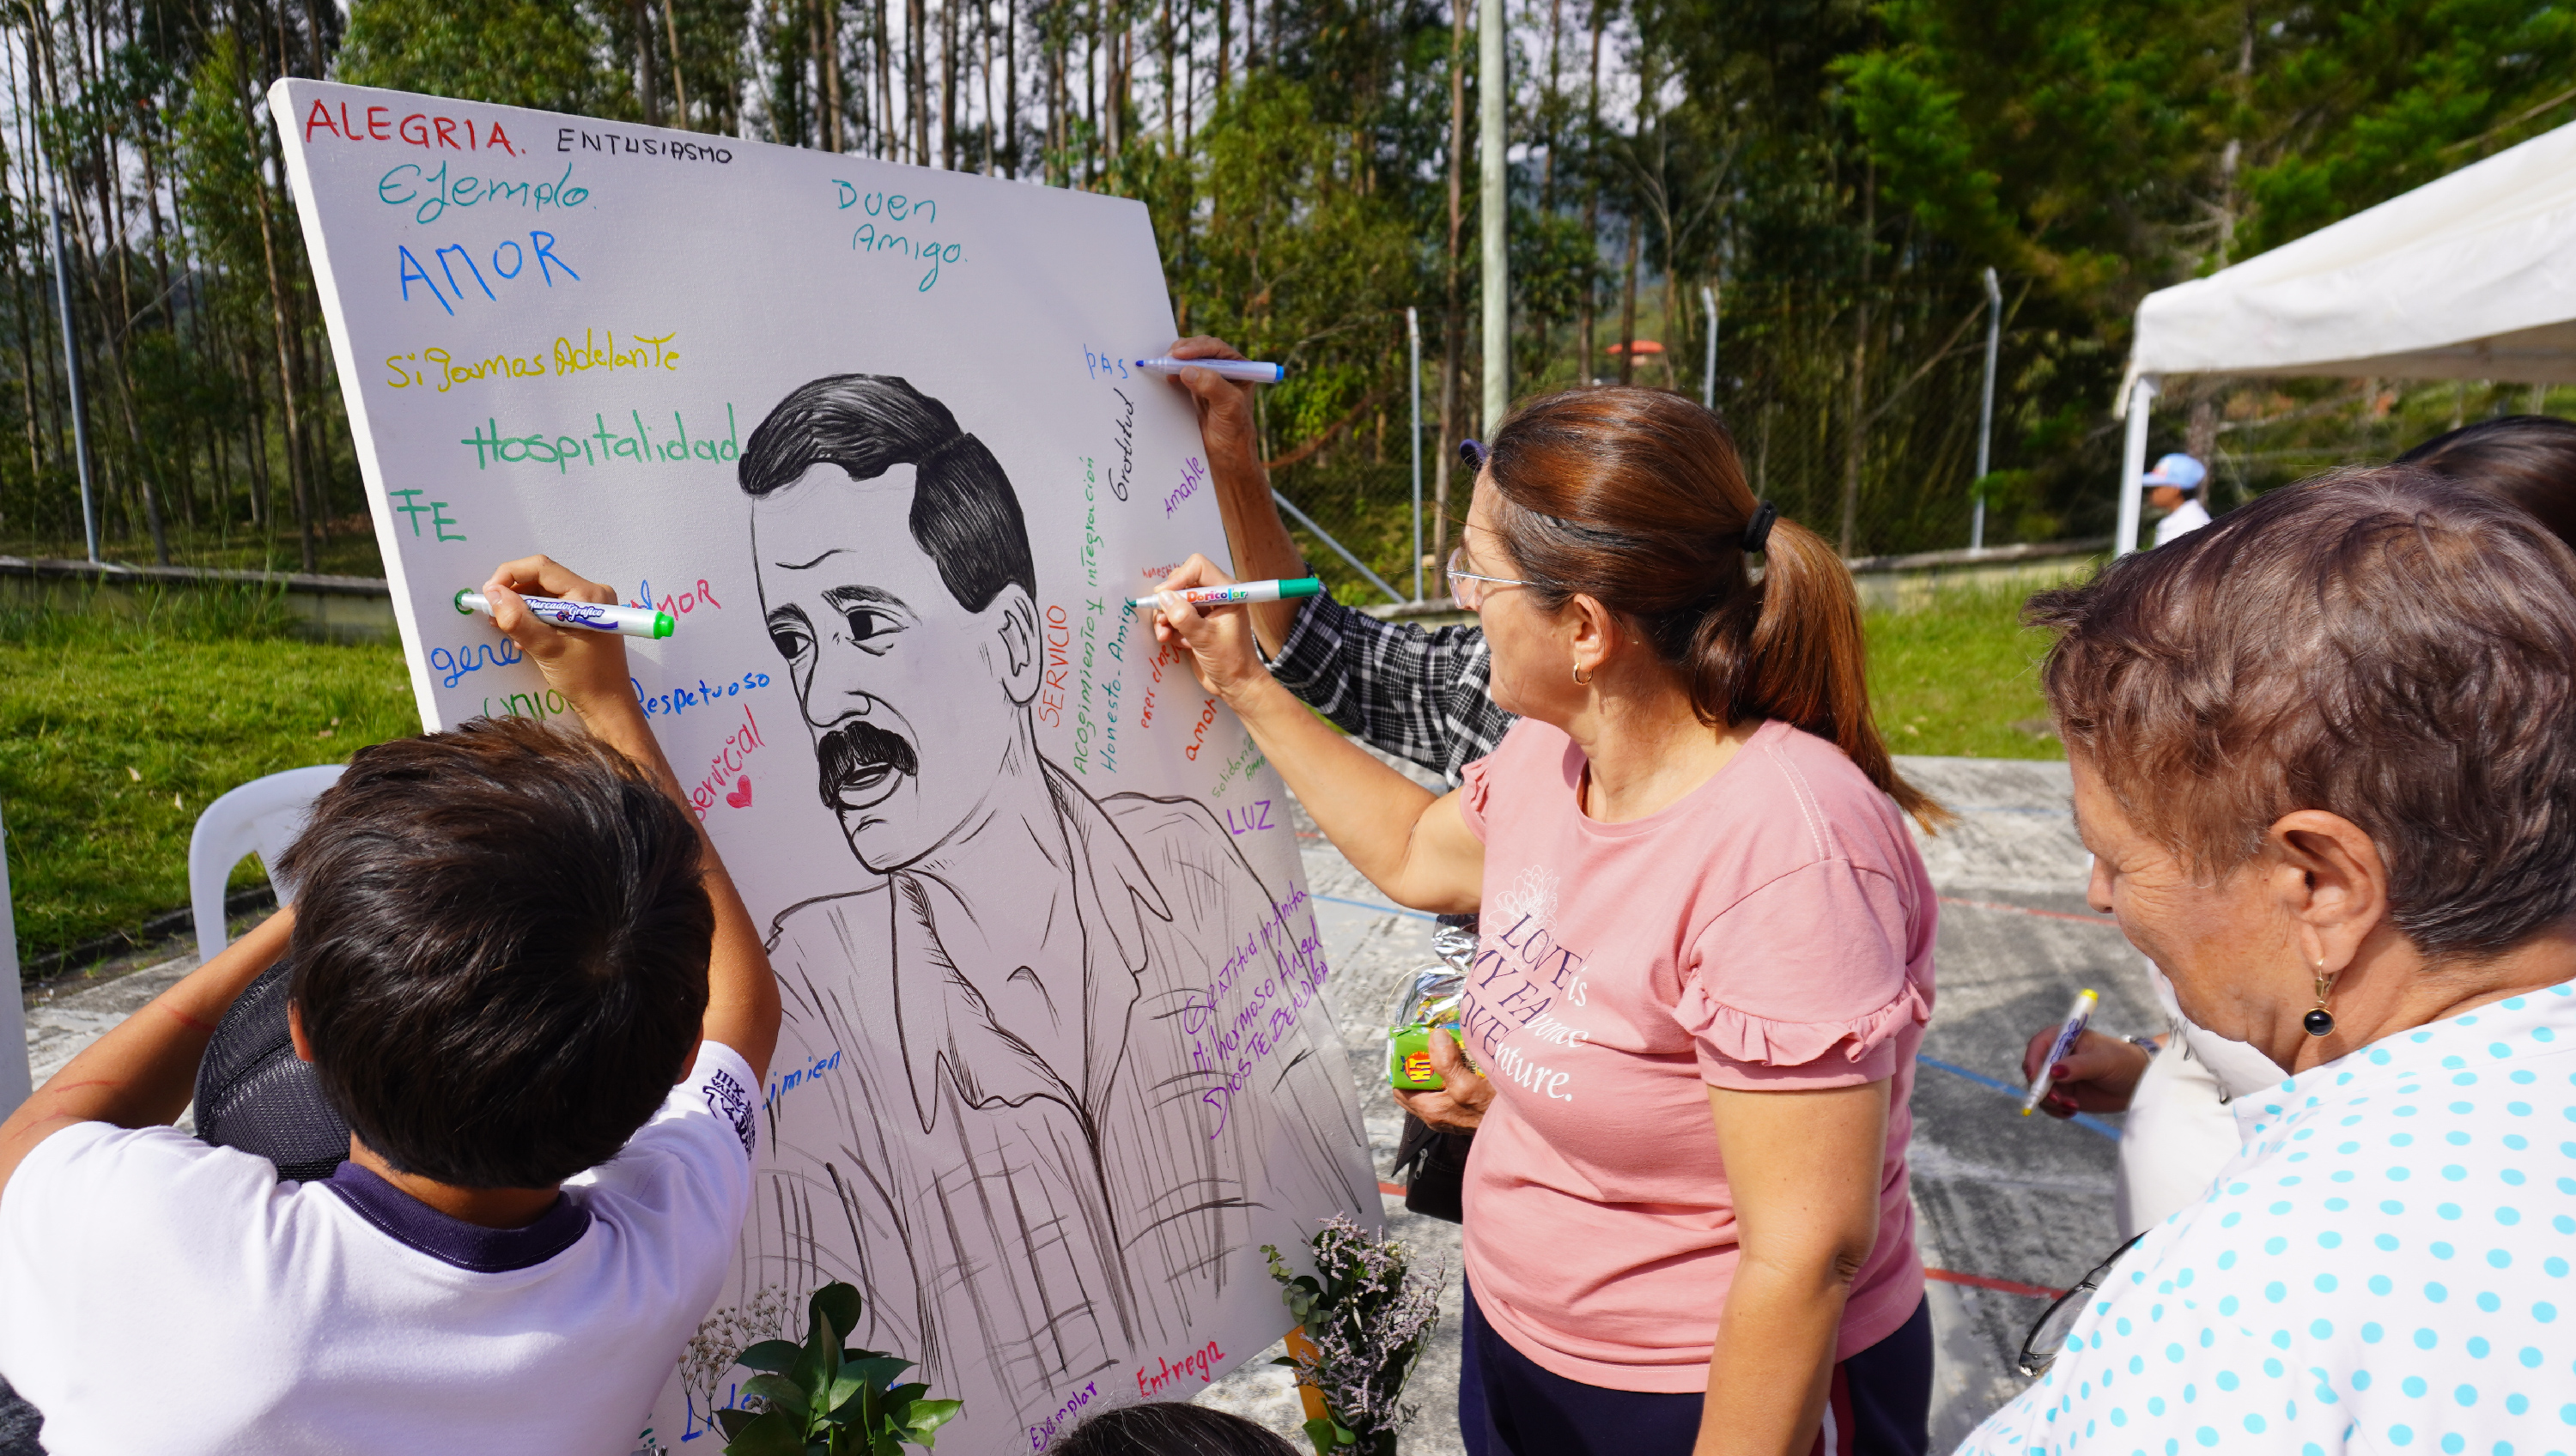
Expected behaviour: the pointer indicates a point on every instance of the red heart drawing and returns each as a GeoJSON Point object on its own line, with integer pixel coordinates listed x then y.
{"type": "Point", "coordinates": [740, 797]}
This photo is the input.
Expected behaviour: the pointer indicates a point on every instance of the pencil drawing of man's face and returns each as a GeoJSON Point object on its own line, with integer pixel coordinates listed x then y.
{"type": "Point", "coordinates": [913, 701]}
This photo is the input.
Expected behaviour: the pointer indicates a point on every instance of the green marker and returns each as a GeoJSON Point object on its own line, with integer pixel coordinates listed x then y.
{"type": "Point", "coordinates": [1241, 593]}
{"type": "Point", "coordinates": [596, 616]}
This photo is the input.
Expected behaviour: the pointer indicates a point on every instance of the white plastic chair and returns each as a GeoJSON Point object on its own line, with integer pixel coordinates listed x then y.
{"type": "Point", "coordinates": [263, 815]}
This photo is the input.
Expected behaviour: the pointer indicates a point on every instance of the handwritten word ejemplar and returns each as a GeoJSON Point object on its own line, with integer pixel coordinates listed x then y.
{"type": "Point", "coordinates": [408, 503]}
{"type": "Point", "coordinates": [1046, 1430]}
{"type": "Point", "coordinates": [419, 129]}
{"type": "Point", "coordinates": [438, 370]}
{"type": "Point", "coordinates": [603, 446]}
{"type": "Point", "coordinates": [406, 183]}
{"type": "Point", "coordinates": [1200, 1362]}
{"type": "Point", "coordinates": [509, 263]}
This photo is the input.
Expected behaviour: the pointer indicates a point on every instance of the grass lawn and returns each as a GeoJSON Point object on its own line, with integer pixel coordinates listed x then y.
{"type": "Point", "coordinates": [115, 731]}
{"type": "Point", "coordinates": [1962, 679]}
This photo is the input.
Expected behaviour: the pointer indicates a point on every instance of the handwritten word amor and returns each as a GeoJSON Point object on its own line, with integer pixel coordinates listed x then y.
{"type": "Point", "coordinates": [781, 1086]}
{"type": "Point", "coordinates": [509, 261]}
{"type": "Point", "coordinates": [417, 129]}
{"type": "Point", "coordinates": [868, 240]}
{"type": "Point", "coordinates": [726, 766]}
{"type": "Point", "coordinates": [641, 146]}
{"type": "Point", "coordinates": [1198, 735]}
{"type": "Point", "coordinates": [408, 182]}
{"type": "Point", "coordinates": [438, 370]}
{"type": "Point", "coordinates": [1193, 475]}
{"type": "Point", "coordinates": [893, 205]}
{"type": "Point", "coordinates": [1056, 1425]}
{"type": "Point", "coordinates": [602, 446]}
{"type": "Point", "coordinates": [680, 700]}
{"type": "Point", "coordinates": [408, 502]}
{"type": "Point", "coordinates": [678, 604]}
{"type": "Point", "coordinates": [1200, 1362]}
{"type": "Point", "coordinates": [454, 664]}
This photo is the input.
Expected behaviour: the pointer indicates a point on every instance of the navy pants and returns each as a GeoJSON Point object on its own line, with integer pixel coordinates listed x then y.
{"type": "Point", "coordinates": [1509, 1405]}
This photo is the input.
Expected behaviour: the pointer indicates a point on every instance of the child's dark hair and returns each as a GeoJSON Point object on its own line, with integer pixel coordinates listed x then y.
{"type": "Point", "coordinates": [1170, 1428]}
{"type": "Point", "coordinates": [500, 950]}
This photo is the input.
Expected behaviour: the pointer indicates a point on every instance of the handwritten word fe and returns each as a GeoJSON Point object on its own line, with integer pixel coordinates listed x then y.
{"type": "Point", "coordinates": [417, 129]}
{"type": "Point", "coordinates": [1055, 1425]}
{"type": "Point", "coordinates": [602, 445]}
{"type": "Point", "coordinates": [641, 146]}
{"type": "Point", "coordinates": [442, 373]}
{"type": "Point", "coordinates": [868, 240]}
{"type": "Point", "coordinates": [892, 205]}
{"type": "Point", "coordinates": [408, 502]}
{"type": "Point", "coordinates": [727, 764]}
{"type": "Point", "coordinates": [541, 247]}
{"type": "Point", "coordinates": [407, 183]}
{"type": "Point", "coordinates": [1200, 1362]}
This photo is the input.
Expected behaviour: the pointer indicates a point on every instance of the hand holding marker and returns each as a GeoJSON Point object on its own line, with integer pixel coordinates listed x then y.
{"type": "Point", "coordinates": [1240, 593]}
{"type": "Point", "coordinates": [2046, 1076]}
{"type": "Point", "coordinates": [625, 621]}
{"type": "Point", "coordinates": [1248, 371]}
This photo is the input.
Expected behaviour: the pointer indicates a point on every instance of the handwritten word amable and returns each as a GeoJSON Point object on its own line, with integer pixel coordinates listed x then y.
{"type": "Point", "coordinates": [509, 262]}
{"type": "Point", "coordinates": [603, 445]}
{"type": "Point", "coordinates": [868, 240]}
{"type": "Point", "coordinates": [1199, 1362]}
{"type": "Point", "coordinates": [1193, 475]}
{"type": "Point", "coordinates": [891, 205]}
{"type": "Point", "coordinates": [407, 182]}
{"type": "Point", "coordinates": [567, 138]}
{"type": "Point", "coordinates": [438, 370]}
{"type": "Point", "coordinates": [418, 129]}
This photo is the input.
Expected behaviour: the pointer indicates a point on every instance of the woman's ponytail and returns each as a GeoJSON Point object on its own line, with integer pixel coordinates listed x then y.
{"type": "Point", "coordinates": [1636, 498]}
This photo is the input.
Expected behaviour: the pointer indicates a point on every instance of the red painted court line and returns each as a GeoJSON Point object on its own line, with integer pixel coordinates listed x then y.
{"type": "Point", "coordinates": [1980, 1281]}
{"type": "Point", "coordinates": [1391, 1190]}
{"type": "Point", "coordinates": [2105, 921]}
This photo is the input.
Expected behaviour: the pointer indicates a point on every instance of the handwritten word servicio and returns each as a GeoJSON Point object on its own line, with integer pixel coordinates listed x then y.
{"type": "Point", "coordinates": [419, 129]}
{"type": "Point", "coordinates": [509, 263]}
{"type": "Point", "coordinates": [407, 183]}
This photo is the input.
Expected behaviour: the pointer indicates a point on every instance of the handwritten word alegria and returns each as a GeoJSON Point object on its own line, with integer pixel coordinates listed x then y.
{"type": "Point", "coordinates": [897, 245]}
{"type": "Point", "coordinates": [893, 206]}
{"type": "Point", "coordinates": [406, 183]}
{"type": "Point", "coordinates": [509, 263]}
{"type": "Point", "coordinates": [1201, 1362]}
{"type": "Point", "coordinates": [419, 129]}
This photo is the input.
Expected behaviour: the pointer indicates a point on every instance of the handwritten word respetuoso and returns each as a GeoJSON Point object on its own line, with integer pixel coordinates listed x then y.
{"type": "Point", "coordinates": [417, 129]}
{"type": "Point", "coordinates": [568, 137]}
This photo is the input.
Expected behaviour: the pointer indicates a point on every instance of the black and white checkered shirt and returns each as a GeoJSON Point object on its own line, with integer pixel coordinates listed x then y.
{"type": "Point", "coordinates": [1415, 694]}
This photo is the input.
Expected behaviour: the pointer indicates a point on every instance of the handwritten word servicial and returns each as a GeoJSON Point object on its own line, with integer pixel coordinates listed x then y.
{"type": "Point", "coordinates": [419, 129]}
{"type": "Point", "coordinates": [603, 445]}
{"type": "Point", "coordinates": [725, 765]}
{"type": "Point", "coordinates": [439, 370]}
{"type": "Point", "coordinates": [407, 183]}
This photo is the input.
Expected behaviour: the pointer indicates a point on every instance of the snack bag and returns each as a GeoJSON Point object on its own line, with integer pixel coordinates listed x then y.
{"type": "Point", "coordinates": [1429, 1004]}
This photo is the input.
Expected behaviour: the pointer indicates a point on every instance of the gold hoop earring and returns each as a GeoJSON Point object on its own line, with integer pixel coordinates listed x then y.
{"type": "Point", "coordinates": [1579, 679]}
{"type": "Point", "coordinates": [2320, 1022]}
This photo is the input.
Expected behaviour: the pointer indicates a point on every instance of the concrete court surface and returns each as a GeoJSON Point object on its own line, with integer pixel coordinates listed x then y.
{"type": "Point", "coordinates": [2004, 1203]}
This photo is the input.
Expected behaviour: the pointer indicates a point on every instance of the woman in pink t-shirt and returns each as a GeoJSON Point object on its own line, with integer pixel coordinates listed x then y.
{"type": "Point", "coordinates": [1707, 954]}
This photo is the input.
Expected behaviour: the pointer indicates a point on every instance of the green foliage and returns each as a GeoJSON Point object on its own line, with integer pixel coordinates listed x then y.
{"type": "Point", "coordinates": [541, 53]}
{"type": "Point", "coordinates": [819, 1399]}
{"type": "Point", "coordinates": [1366, 1318]}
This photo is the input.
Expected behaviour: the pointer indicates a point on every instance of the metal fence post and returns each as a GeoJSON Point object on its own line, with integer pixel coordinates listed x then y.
{"type": "Point", "coordinates": [1413, 343]}
{"type": "Point", "coordinates": [72, 371]}
{"type": "Point", "coordinates": [1986, 412]}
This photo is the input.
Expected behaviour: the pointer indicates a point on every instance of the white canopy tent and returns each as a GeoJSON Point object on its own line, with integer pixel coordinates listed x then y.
{"type": "Point", "coordinates": [2472, 276]}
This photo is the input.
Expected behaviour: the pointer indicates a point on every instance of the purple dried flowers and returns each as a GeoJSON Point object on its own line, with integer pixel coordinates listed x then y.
{"type": "Point", "coordinates": [1368, 1317]}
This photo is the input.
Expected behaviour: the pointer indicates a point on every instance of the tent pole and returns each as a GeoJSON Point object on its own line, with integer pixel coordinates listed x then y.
{"type": "Point", "coordinates": [1986, 413]}
{"type": "Point", "coordinates": [2133, 466]}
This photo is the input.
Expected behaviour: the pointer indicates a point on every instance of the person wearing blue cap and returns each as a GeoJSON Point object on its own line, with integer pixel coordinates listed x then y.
{"type": "Point", "coordinates": [2173, 487]}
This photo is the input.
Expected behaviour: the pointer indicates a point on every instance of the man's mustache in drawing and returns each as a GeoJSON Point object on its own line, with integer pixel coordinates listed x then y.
{"type": "Point", "coordinates": [859, 763]}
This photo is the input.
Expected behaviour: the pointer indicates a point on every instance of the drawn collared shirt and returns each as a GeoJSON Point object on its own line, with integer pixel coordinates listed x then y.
{"type": "Point", "coordinates": [2384, 1267]}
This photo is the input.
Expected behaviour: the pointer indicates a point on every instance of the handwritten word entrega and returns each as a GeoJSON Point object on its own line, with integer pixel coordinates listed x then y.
{"type": "Point", "coordinates": [1200, 1362]}
{"type": "Point", "coordinates": [437, 369]}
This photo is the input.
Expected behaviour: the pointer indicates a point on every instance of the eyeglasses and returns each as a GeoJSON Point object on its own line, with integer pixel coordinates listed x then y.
{"type": "Point", "coordinates": [1467, 587]}
{"type": "Point", "coordinates": [2039, 1348]}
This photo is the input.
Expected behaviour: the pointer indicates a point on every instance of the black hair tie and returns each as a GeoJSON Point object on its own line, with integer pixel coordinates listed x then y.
{"type": "Point", "coordinates": [1757, 532]}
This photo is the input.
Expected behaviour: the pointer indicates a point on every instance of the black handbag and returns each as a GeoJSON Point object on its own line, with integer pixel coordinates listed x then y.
{"type": "Point", "coordinates": [1433, 1165]}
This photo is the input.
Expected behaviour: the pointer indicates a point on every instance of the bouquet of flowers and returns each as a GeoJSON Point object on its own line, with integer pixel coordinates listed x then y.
{"type": "Point", "coordinates": [1363, 1318]}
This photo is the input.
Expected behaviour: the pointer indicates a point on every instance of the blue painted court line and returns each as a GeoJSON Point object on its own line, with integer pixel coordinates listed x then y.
{"type": "Point", "coordinates": [1372, 905]}
{"type": "Point", "coordinates": [2081, 1119]}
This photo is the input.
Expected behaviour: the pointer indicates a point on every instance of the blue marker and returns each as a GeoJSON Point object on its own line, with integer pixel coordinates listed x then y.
{"type": "Point", "coordinates": [595, 616]}
{"type": "Point", "coordinates": [1249, 371]}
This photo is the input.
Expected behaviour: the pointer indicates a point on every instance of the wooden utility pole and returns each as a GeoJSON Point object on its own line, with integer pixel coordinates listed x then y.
{"type": "Point", "coordinates": [1855, 419]}
{"type": "Point", "coordinates": [1453, 327]}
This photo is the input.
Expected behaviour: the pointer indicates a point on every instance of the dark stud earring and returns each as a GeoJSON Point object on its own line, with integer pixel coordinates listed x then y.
{"type": "Point", "coordinates": [2320, 1022]}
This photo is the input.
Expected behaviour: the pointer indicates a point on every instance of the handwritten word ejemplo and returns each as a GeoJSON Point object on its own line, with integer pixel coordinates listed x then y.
{"type": "Point", "coordinates": [437, 369]}
{"type": "Point", "coordinates": [408, 182]}
{"type": "Point", "coordinates": [419, 129]}
{"type": "Point", "coordinates": [509, 262]}
{"type": "Point", "coordinates": [602, 446]}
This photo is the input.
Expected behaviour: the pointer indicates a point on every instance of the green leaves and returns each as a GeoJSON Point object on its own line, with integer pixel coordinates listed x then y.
{"type": "Point", "coordinates": [819, 1399]}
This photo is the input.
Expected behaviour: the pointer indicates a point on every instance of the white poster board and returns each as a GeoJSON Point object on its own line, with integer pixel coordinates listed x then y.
{"type": "Point", "coordinates": [1054, 1065]}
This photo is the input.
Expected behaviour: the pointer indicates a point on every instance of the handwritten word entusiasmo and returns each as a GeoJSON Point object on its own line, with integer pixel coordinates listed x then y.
{"type": "Point", "coordinates": [419, 129]}
{"type": "Point", "coordinates": [615, 143]}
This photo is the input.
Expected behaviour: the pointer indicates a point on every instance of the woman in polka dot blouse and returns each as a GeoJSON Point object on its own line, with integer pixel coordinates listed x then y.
{"type": "Point", "coordinates": [2322, 756]}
